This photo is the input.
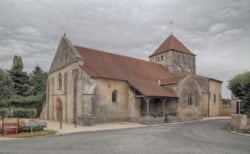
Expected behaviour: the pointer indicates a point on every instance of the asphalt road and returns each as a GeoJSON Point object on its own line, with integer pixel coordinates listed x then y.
{"type": "Point", "coordinates": [195, 137]}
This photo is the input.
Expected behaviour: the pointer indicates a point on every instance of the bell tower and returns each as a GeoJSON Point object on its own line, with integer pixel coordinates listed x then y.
{"type": "Point", "coordinates": [174, 56]}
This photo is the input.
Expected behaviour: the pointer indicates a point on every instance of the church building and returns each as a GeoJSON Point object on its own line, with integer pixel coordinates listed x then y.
{"type": "Point", "coordinates": [89, 86]}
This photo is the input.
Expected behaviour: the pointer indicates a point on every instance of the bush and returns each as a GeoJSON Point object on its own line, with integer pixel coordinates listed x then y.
{"type": "Point", "coordinates": [32, 101]}
{"type": "Point", "coordinates": [240, 87]}
{"type": "Point", "coordinates": [3, 112]}
{"type": "Point", "coordinates": [24, 113]}
{"type": "Point", "coordinates": [28, 128]}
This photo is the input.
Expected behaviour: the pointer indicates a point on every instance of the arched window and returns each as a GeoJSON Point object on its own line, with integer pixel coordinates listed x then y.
{"type": "Point", "coordinates": [59, 81]}
{"type": "Point", "coordinates": [189, 70]}
{"type": "Point", "coordinates": [214, 98]}
{"type": "Point", "coordinates": [114, 96]}
{"type": "Point", "coordinates": [190, 99]}
{"type": "Point", "coordinates": [179, 68]}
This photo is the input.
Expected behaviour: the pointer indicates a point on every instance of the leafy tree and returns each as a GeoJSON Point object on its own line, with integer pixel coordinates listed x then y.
{"type": "Point", "coordinates": [38, 81]}
{"type": "Point", "coordinates": [21, 79]}
{"type": "Point", "coordinates": [6, 86]}
{"type": "Point", "coordinates": [226, 102]}
{"type": "Point", "coordinates": [17, 64]}
{"type": "Point", "coordinates": [21, 91]}
{"type": "Point", "coordinates": [240, 87]}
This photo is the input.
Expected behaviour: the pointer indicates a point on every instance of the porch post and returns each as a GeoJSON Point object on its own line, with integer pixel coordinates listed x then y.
{"type": "Point", "coordinates": [147, 100]}
{"type": "Point", "coordinates": [163, 107]}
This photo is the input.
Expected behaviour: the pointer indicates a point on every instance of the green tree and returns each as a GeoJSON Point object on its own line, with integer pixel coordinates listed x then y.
{"type": "Point", "coordinates": [21, 79]}
{"type": "Point", "coordinates": [17, 64]}
{"type": "Point", "coordinates": [240, 87]}
{"type": "Point", "coordinates": [6, 86]}
{"type": "Point", "coordinates": [38, 81]}
{"type": "Point", "coordinates": [226, 102]}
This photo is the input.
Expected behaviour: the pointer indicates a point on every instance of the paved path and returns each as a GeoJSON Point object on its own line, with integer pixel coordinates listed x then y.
{"type": "Point", "coordinates": [70, 128]}
{"type": "Point", "coordinates": [195, 137]}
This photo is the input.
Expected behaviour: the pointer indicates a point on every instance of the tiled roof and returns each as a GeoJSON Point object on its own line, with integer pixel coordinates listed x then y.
{"type": "Point", "coordinates": [172, 80]}
{"type": "Point", "coordinates": [141, 75]}
{"type": "Point", "coordinates": [172, 43]}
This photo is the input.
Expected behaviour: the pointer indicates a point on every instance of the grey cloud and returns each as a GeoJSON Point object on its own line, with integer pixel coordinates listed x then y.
{"type": "Point", "coordinates": [216, 30]}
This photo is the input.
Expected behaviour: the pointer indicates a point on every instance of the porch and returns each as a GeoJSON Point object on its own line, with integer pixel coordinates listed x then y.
{"type": "Point", "coordinates": [158, 110]}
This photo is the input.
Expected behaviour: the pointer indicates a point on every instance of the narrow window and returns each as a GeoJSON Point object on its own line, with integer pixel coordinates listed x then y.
{"type": "Point", "coordinates": [189, 70]}
{"type": "Point", "coordinates": [65, 81]}
{"type": "Point", "coordinates": [59, 81]}
{"type": "Point", "coordinates": [161, 58]}
{"type": "Point", "coordinates": [214, 98]}
{"type": "Point", "coordinates": [114, 96]}
{"type": "Point", "coordinates": [179, 69]}
{"type": "Point", "coordinates": [190, 99]}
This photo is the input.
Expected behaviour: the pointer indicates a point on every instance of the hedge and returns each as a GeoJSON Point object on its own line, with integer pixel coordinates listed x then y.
{"type": "Point", "coordinates": [3, 112]}
{"type": "Point", "coordinates": [28, 128]}
{"type": "Point", "coordinates": [17, 101]}
{"type": "Point", "coordinates": [19, 112]}
{"type": "Point", "coordinates": [24, 113]}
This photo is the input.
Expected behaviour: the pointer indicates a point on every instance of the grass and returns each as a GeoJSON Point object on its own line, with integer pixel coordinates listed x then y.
{"type": "Point", "coordinates": [34, 134]}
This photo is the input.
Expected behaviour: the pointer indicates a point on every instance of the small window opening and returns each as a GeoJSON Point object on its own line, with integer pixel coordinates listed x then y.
{"type": "Point", "coordinates": [60, 81]}
{"type": "Point", "coordinates": [114, 96]}
{"type": "Point", "coordinates": [190, 99]}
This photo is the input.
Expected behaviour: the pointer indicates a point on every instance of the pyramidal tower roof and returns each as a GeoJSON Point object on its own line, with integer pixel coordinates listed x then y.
{"type": "Point", "coordinates": [172, 43]}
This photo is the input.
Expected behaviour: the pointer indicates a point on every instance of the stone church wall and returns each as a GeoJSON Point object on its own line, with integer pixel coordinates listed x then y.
{"type": "Point", "coordinates": [176, 62]}
{"type": "Point", "coordinates": [106, 110]}
{"type": "Point", "coordinates": [204, 84]}
{"type": "Point", "coordinates": [134, 107]}
{"type": "Point", "coordinates": [185, 88]}
{"type": "Point", "coordinates": [215, 98]}
{"type": "Point", "coordinates": [65, 94]}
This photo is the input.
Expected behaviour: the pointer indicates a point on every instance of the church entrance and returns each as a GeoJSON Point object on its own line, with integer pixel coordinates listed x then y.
{"type": "Point", "coordinates": [59, 109]}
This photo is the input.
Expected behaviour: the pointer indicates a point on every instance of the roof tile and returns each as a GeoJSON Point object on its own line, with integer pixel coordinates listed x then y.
{"type": "Point", "coordinates": [140, 74]}
{"type": "Point", "coordinates": [172, 43]}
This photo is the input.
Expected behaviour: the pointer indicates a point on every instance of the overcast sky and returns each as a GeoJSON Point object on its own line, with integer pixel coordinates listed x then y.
{"type": "Point", "coordinates": [217, 31]}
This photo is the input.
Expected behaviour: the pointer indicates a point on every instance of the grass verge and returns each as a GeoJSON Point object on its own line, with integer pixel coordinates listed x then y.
{"type": "Point", "coordinates": [34, 134]}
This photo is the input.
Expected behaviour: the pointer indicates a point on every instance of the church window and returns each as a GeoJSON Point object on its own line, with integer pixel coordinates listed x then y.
{"type": "Point", "coordinates": [190, 99]}
{"type": "Point", "coordinates": [59, 81]}
{"type": "Point", "coordinates": [214, 98]}
{"type": "Point", "coordinates": [189, 70]}
{"type": "Point", "coordinates": [65, 81]}
{"type": "Point", "coordinates": [114, 96]}
{"type": "Point", "coordinates": [161, 58]}
{"type": "Point", "coordinates": [179, 68]}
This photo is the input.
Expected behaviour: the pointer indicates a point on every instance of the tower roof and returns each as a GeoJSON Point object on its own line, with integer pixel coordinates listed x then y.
{"type": "Point", "coordinates": [172, 43]}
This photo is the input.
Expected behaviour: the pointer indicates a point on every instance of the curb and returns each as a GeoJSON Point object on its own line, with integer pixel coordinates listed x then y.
{"type": "Point", "coordinates": [90, 131]}
{"type": "Point", "coordinates": [242, 134]}
{"type": "Point", "coordinates": [191, 121]}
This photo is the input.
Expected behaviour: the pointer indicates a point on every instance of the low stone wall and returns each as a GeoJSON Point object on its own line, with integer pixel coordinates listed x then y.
{"type": "Point", "coordinates": [172, 119]}
{"type": "Point", "coordinates": [149, 120]}
{"type": "Point", "coordinates": [225, 111]}
{"type": "Point", "coordinates": [240, 122]}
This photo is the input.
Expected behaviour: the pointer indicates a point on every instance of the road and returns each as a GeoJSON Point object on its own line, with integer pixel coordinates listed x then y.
{"type": "Point", "coordinates": [195, 137]}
